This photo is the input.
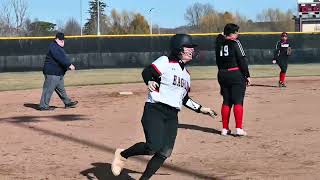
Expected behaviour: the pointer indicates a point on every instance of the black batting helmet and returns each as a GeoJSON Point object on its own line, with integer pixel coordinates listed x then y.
{"type": "Point", "coordinates": [179, 41]}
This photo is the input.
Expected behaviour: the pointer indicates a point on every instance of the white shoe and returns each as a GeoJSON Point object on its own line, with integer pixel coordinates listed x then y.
{"type": "Point", "coordinates": [118, 162]}
{"type": "Point", "coordinates": [225, 132]}
{"type": "Point", "coordinates": [240, 132]}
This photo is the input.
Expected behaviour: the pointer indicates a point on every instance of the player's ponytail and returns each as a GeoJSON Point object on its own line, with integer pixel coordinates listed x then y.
{"type": "Point", "coordinates": [220, 40]}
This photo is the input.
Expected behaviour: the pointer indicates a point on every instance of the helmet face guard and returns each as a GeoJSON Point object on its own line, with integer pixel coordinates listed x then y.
{"type": "Point", "coordinates": [196, 53]}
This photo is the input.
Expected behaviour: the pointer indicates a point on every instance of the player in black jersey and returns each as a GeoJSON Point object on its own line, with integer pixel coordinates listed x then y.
{"type": "Point", "coordinates": [281, 55]}
{"type": "Point", "coordinates": [233, 76]}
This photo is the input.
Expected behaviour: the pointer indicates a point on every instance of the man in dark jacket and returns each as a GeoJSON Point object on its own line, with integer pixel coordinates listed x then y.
{"type": "Point", "coordinates": [55, 67]}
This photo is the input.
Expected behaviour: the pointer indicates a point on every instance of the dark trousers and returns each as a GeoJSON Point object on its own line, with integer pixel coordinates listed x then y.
{"type": "Point", "coordinates": [160, 125]}
{"type": "Point", "coordinates": [232, 87]}
{"type": "Point", "coordinates": [282, 61]}
{"type": "Point", "coordinates": [53, 83]}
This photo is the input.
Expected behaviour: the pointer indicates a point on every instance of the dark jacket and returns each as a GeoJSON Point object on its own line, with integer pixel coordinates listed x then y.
{"type": "Point", "coordinates": [57, 62]}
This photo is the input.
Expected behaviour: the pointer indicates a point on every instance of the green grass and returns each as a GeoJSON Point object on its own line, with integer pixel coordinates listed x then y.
{"type": "Point", "coordinates": [32, 80]}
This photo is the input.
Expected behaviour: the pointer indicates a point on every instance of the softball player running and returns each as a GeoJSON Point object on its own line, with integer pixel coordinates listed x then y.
{"type": "Point", "coordinates": [281, 56]}
{"type": "Point", "coordinates": [233, 76]}
{"type": "Point", "coordinates": [168, 82]}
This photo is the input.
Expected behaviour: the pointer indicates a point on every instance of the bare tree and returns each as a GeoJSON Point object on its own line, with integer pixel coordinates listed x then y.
{"type": "Point", "coordinates": [5, 13]}
{"type": "Point", "coordinates": [116, 22]}
{"type": "Point", "coordinates": [121, 22]}
{"type": "Point", "coordinates": [20, 10]}
{"type": "Point", "coordinates": [156, 29]}
{"type": "Point", "coordinates": [5, 19]}
{"type": "Point", "coordinates": [27, 24]}
{"type": "Point", "coordinates": [242, 21]}
{"type": "Point", "coordinates": [13, 14]}
{"type": "Point", "coordinates": [72, 27]}
{"type": "Point", "coordinates": [276, 20]}
{"type": "Point", "coordinates": [139, 25]}
{"type": "Point", "coordinates": [127, 18]}
{"type": "Point", "coordinates": [60, 25]}
{"type": "Point", "coordinates": [195, 12]}
{"type": "Point", "coordinates": [228, 17]}
{"type": "Point", "coordinates": [210, 23]}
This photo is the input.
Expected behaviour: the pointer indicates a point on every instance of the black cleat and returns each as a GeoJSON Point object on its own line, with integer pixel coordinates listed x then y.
{"type": "Point", "coordinates": [282, 84]}
{"type": "Point", "coordinates": [72, 104]}
{"type": "Point", "coordinates": [46, 108]}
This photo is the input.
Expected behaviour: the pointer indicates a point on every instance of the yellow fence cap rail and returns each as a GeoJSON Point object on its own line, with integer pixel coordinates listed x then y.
{"type": "Point", "coordinates": [148, 35]}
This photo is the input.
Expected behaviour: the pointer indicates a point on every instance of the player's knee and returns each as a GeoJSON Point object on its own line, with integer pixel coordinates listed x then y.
{"type": "Point", "coordinates": [227, 102]}
{"type": "Point", "coordinates": [238, 104]}
{"type": "Point", "coordinates": [153, 148]}
{"type": "Point", "coordinates": [283, 69]}
{"type": "Point", "coordinates": [238, 101]}
{"type": "Point", "coordinates": [165, 152]}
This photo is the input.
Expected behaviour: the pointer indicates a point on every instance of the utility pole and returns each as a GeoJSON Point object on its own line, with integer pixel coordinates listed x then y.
{"type": "Point", "coordinates": [98, 21]}
{"type": "Point", "coordinates": [81, 17]}
{"type": "Point", "coordinates": [150, 17]}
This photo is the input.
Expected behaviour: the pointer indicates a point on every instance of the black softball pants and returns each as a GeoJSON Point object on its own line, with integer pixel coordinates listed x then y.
{"type": "Point", "coordinates": [282, 61]}
{"type": "Point", "coordinates": [232, 86]}
{"type": "Point", "coordinates": [160, 125]}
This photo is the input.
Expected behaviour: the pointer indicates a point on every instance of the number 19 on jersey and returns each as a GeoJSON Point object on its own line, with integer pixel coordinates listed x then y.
{"type": "Point", "coordinates": [224, 50]}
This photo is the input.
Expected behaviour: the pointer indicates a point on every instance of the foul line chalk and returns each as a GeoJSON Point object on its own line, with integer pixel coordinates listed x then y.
{"type": "Point", "coordinates": [126, 93]}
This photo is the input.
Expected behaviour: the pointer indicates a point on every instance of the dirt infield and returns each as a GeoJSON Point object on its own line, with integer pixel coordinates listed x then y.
{"type": "Point", "coordinates": [282, 124]}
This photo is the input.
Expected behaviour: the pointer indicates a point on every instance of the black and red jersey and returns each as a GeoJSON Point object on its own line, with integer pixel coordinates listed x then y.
{"type": "Point", "coordinates": [230, 55]}
{"type": "Point", "coordinates": [282, 49]}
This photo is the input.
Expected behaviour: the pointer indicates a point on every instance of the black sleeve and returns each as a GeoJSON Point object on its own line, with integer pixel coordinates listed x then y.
{"type": "Point", "coordinates": [219, 43]}
{"type": "Point", "coordinates": [241, 59]}
{"type": "Point", "coordinates": [150, 74]}
{"type": "Point", "coordinates": [276, 51]}
{"type": "Point", "coordinates": [218, 57]}
{"type": "Point", "coordinates": [189, 103]}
